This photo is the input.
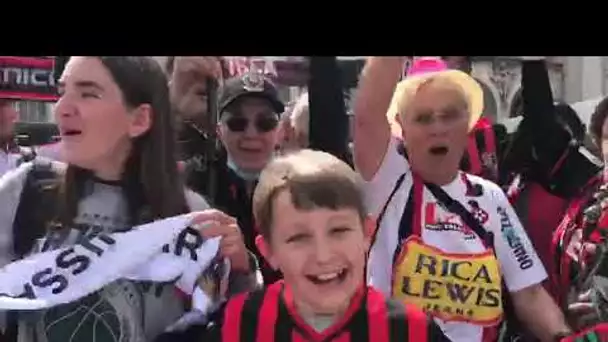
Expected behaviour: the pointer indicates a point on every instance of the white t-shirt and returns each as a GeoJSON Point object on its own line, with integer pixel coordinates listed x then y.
{"type": "Point", "coordinates": [520, 265]}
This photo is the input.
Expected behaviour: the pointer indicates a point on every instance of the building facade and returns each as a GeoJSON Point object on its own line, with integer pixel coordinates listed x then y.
{"type": "Point", "coordinates": [500, 78]}
{"type": "Point", "coordinates": [573, 79]}
{"type": "Point", "coordinates": [585, 78]}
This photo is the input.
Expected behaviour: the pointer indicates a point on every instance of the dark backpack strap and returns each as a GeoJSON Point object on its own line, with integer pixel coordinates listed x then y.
{"type": "Point", "coordinates": [29, 224]}
{"type": "Point", "coordinates": [385, 206]}
{"type": "Point", "coordinates": [405, 224]}
{"type": "Point", "coordinates": [398, 184]}
{"type": "Point", "coordinates": [35, 209]}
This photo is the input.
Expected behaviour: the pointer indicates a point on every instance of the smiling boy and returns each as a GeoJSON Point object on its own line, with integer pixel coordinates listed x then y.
{"type": "Point", "coordinates": [309, 211]}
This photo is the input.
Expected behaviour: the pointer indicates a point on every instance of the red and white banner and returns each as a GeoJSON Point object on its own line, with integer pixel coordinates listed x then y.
{"type": "Point", "coordinates": [237, 65]}
{"type": "Point", "coordinates": [240, 65]}
{"type": "Point", "coordinates": [27, 78]}
{"type": "Point", "coordinates": [291, 70]}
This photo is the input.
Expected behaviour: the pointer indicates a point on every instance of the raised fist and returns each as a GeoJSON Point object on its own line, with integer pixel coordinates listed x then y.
{"type": "Point", "coordinates": [188, 85]}
{"type": "Point", "coordinates": [197, 67]}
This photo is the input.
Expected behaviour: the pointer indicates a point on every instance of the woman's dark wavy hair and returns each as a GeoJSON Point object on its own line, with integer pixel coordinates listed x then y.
{"type": "Point", "coordinates": [151, 182]}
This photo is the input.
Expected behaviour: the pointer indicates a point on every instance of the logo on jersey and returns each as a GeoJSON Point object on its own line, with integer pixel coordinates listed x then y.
{"type": "Point", "coordinates": [514, 240]}
{"type": "Point", "coordinates": [452, 287]}
{"type": "Point", "coordinates": [446, 222]}
{"type": "Point", "coordinates": [480, 215]}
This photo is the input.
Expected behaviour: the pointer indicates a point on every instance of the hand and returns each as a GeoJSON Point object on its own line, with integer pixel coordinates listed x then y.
{"type": "Point", "coordinates": [397, 65]}
{"type": "Point", "coordinates": [197, 67]}
{"type": "Point", "coordinates": [582, 311]}
{"type": "Point", "coordinates": [462, 63]}
{"type": "Point", "coordinates": [188, 87]}
{"type": "Point", "coordinates": [215, 223]}
{"type": "Point", "coordinates": [578, 250]}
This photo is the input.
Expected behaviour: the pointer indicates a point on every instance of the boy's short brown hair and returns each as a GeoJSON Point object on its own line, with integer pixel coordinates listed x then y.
{"type": "Point", "coordinates": [314, 179]}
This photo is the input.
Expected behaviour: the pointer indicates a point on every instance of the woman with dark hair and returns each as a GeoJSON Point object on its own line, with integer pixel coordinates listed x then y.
{"type": "Point", "coordinates": [118, 144]}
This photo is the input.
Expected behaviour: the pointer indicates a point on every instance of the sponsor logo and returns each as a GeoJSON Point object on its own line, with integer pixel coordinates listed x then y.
{"type": "Point", "coordinates": [513, 240]}
{"type": "Point", "coordinates": [480, 215]}
{"type": "Point", "coordinates": [446, 222]}
{"type": "Point", "coordinates": [451, 287]}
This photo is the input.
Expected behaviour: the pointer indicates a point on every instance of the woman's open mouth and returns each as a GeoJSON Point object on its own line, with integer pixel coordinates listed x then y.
{"type": "Point", "coordinates": [70, 133]}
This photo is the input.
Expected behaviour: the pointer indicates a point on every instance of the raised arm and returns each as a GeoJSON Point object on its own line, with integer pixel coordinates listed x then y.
{"type": "Point", "coordinates": [536, 92]}
{"type": "Point", "coordinates": [328, 121]}
{"type": "Point", "coordinates": [372, 131]}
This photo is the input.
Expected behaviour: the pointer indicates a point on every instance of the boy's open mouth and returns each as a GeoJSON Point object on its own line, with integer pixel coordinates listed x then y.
{"type": "Point", "coordinates": [329, 278]}
{"type": "Point", "coordinates": [438, 150]}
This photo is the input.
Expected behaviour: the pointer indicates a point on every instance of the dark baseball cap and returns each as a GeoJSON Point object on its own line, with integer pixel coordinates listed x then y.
{"type": "Point", "coordinates": [249, 84]}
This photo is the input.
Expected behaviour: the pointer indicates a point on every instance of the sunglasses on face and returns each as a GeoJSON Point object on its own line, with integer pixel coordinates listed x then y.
{"type": "Point", "coordinates": [262, 124]}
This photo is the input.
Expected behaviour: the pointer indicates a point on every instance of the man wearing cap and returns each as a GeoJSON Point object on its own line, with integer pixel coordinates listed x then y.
{"type": "Point", "coordinates": [445, 240]}
{"type": "Point", "coordinates": [248, 128]}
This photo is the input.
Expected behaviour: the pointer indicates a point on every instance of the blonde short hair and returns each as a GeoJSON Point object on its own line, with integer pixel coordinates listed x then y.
{"type": "Point", "coordinates": [407, 90]}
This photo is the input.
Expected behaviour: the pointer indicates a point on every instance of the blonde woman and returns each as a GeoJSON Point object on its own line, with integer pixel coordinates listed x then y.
{"type": "Point", "coordinates": [446, 240]}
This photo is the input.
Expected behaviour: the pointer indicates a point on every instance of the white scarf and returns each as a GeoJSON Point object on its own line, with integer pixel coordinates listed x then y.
{"type": "Point", "coordinates": [147, 252]}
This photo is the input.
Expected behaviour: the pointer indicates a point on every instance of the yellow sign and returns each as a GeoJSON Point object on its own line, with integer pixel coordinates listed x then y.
{"type": "Point", "coordinates": [451, 287]}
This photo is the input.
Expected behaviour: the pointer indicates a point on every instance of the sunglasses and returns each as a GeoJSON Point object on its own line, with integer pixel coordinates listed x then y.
{"type": "Point", "coordinates": [262, 124]}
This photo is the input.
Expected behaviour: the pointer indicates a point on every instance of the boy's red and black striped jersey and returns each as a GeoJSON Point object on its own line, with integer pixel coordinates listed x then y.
{"type": "Point", "coordinates": [268, 315]}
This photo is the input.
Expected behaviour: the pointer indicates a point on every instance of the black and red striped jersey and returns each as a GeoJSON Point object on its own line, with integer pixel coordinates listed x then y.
{"type": "Point", "coordinates": [268, 315]}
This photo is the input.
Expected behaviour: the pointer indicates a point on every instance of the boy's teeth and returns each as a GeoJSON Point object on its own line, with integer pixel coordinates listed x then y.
{"type": "Point", "coordinates": [328, 276]}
